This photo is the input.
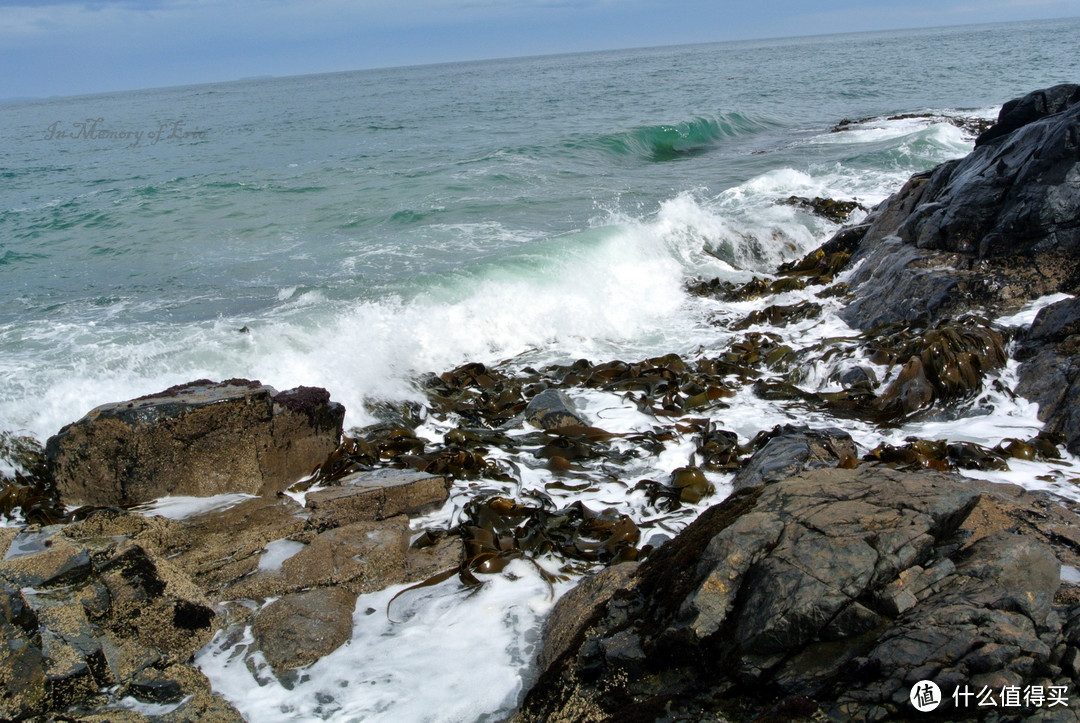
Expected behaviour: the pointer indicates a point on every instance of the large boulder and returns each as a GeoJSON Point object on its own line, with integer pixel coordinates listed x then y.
{"type": "Point", "coordinates": [770, 605]}
{"type": "Point", "coordinates": [993, 229]}
{"type": "Point", "coordinates": [1018, 112]}
{"type": "Point", "coordinates": [202, 438]}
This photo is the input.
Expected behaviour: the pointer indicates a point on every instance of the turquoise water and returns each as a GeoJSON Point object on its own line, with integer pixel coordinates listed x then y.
{"type": "Point", "coordinates": [366, 226]}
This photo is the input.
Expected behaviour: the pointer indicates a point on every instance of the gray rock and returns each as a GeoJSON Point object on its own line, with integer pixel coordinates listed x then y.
{"type": "Point", "coordinates": [551, 409]}
{"type": "Point", "coordinates": [1033, 106]}
{"type": "Point", "coordinates": [202, 438]}
{"type": "Point", "coordinates": [801, 587]}
{"type": "Point", "coordinates": [994, 229]}
{"type": "Point", "coordinates": [792, 450]}
{"type": "Point", "coordinates": [1050, 372]}
{"type": "Point", "coordinates": [575, 610]}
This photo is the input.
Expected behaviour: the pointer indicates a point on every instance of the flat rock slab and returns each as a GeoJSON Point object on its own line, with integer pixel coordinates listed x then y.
{"type": "Point", "coordinates": [202, 438]}
{"type": "Point", "coordinates": [376, 495]}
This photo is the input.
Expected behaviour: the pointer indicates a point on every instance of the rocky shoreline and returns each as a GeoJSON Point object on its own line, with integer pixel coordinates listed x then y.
{"type": "Point", "coordinates": [827, 586]}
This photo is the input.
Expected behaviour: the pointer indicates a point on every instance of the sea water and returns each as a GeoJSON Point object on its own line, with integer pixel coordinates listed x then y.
{"type": "Point", "coordinates": [356, 230]}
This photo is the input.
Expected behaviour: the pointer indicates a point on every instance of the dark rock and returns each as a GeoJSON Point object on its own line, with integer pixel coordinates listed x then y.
{"type": "Point", "coordinates": [1018, 112]}
{"type": "Point", "coordinates": [828, 208]}
{"type": "Point", "coordinates": [552, 409]}
{"type": "Point", "coordinates": [72, 640]}
{"type": "Point", "coordinates": [1050, 372]}
{"type": "Point", "coordinates": [578, 607]}
{"type": "Point", "coordinates": [860, 378]}
{"type": "Point", "coordinates": [1055, 323]}
{"type": "Point", "coordinates": [14, 610]}
{"type": "Point", "coordinates": [793, 449]}
{"type": "Point", "coordinates": [994, 229]}
{"type": "Point", "coordinates": [23, 689]}
{"type": "Point", "coordinates": [825, 595]}
{"type": "Point", "coordinates": [156, 691]}
{"type": "Point", "coordinates": [202, 438]}
{"type": "Point", "coordinates": [300, 628]}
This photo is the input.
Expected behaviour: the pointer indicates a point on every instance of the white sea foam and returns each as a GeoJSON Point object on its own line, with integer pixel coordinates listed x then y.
{"type": "Point", "coordinates": [277, 552]}
{"type": "Point", "coordinates": [179, 507]}
{"type": "Point", "coordinates": [613, 289]}
{"type": "Point", "coordinates": [1030, 310]}
{"type": "Point", "coordinates": [445, 653]}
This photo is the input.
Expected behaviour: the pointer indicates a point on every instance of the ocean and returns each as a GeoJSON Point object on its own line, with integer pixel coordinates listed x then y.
{"type": "Point", "coordinates": [357, 230]}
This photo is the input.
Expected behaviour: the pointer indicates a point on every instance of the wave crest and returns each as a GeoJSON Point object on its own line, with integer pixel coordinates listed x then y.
{"type": "Point", "coordinates": [661, 143]}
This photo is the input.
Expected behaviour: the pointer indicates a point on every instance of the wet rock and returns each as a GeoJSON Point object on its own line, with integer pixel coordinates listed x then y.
{"type": "Point", "coordinates": [376, 495]}
{"type": "Point", "coordinates": [992, 230]}
{"type": "Point", "coordinates": [861, 379]}
{"type": "Point", "coordinates": [217, 549]}
{"type": "Point", "coordinates": [362, 557]}
{"type": "Point", "coordinates": [577, 608]}
{"type": "Point", "coordinates": [300, 628]}
{"type": "Point", "coordinates": [779, 315]}
{"type": "Point", "coordinates": [202, 438]}
{"type": "Point", "coordinates": [786, 595]}
{"type": "Point", "coordinates": [1018, 112]}
{"type": "Point", "coordinates": [184, 691]}
{"type": "Point", "coordinates": [43, 558]}
{"type": "Point", "coordinates": [793, 449]}
{"type": "Point", "coordinates": [1050, 372]}
{"type": "Point", "coordinates": [828, 208]}
{"type": "Point", "coordinates": [23, 688]}
{"type": "Point", "coordinates": [552, 409]}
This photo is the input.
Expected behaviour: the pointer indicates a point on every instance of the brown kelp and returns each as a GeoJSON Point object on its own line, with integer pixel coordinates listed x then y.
{"type": "Point", "coordinates": [497, 530]}
{"type": "Point", "coordinates": [30, 488]}
{"type": "Point", "coordinates": [947, 362]}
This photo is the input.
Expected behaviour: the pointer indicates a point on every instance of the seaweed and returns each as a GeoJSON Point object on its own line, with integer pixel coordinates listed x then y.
{"type": "Point", "coordinates": [30, 488]}
{"type": "Point", "coordinates": [497, 530]}
{"type": "Point", "coordinates": [831, 209]}
{"type": "Point", "coordinates": [779, 315]}
{"type": "Point", "coordinates": [947, 362]}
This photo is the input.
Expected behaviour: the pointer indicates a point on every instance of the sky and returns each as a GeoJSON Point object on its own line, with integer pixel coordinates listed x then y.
{"type": "Point", "coordinates": [66, 47]}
